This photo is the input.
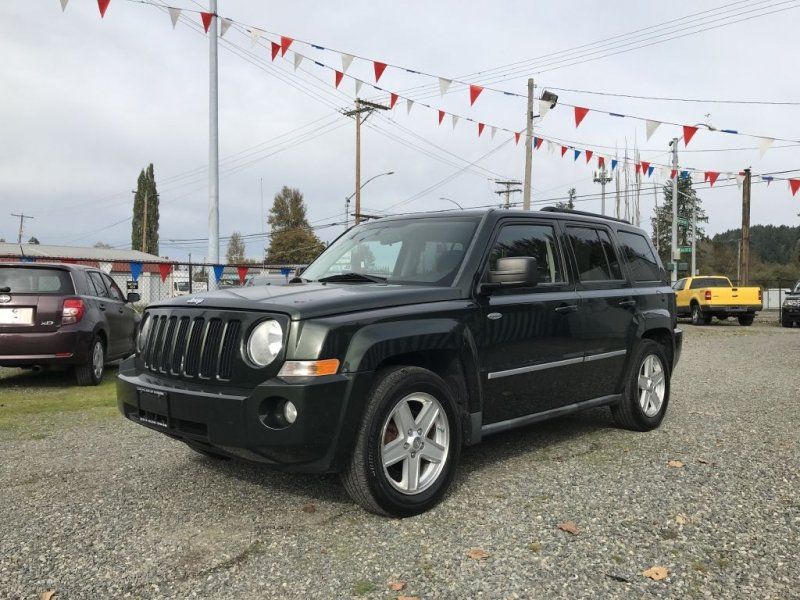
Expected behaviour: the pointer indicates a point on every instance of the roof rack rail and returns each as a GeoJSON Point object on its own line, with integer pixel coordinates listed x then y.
{"type": "Point", "coordinates": [583, 213]}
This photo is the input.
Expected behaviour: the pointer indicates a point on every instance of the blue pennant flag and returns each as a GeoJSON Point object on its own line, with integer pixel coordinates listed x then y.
{"type": "Point", "coordinates": [577, 153]}
{"type": "Point", "coordinates": [650, 171]}
{"type": "Point", "coordinates": [28, 259]}
{"type": "Point", "coordinates": [614, 162]}
{"type": "Point", "coordinates": [218, 269]}
{"type": "Point", "coordinates": [136, 270]}
{"type": "Point", "coordinates": [685, 174]}
{"type": "Point", "coordinates": [285, 271]}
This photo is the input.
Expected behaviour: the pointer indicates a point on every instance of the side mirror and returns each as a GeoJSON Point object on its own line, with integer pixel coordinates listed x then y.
{"type": "Point", "coordinates": [518, 271]}
{"type": "Point", "coordinates": [299, 271]}
{"type": "Point", "coordinates": [133, 297]}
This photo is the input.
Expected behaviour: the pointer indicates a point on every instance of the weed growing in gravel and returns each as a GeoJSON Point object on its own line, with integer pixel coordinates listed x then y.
{"type": "Point", "coordinates": [363, 587]}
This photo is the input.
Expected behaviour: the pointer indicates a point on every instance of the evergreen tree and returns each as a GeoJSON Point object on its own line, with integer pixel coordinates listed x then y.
{"type": "Point", "coordinates": [292, 241]}
{"type": "Point", "coordinates": [570, 203]}
{"type": "Point", "coordinates": [146, 188]}
{"type": "Point", "coordinates": [235, 254]}
{"type": "Point", "coordinates": [33, 241]}
{"type": "Point", "coordinates": [662, 223]}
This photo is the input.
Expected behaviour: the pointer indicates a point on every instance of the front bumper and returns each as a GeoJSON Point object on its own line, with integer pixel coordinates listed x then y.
{"type": "Point", "coordinates": [233, 421]}
{"type": "Point", "coordinates": [791, 312]}
{"type": "Point", "coordinates": [60, 347]}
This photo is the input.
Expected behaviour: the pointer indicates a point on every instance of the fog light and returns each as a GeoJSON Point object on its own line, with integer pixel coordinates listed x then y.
{"type": "Point", "coordinates": [289, 412]}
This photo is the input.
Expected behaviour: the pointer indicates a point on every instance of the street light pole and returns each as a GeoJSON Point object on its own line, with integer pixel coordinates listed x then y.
{"type": "Point", "coordinates": [357, 193]}
{"type": "Point", "coordinates": [674, 246]}
{"type": "Point", "coordinates": [213, 144]}
{"type": "Point", "coordinates": [451, 200]}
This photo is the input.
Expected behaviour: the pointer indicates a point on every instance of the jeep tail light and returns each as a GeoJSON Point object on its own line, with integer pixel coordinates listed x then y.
{"type": "Point", "coordinates": [74, 309]}
{"type": "Point", "coordinates": [708, 295]}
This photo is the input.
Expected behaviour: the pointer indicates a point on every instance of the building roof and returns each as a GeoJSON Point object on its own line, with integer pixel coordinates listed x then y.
{"type": "Point", "coordinates": [75, 252]}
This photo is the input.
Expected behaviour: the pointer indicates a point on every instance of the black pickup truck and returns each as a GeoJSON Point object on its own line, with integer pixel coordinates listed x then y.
{"type": "Point", "coordinates": [408, 338]}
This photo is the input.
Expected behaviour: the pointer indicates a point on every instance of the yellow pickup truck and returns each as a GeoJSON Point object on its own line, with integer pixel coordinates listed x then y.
{"type": "Point", "coordinates": [705, 297]}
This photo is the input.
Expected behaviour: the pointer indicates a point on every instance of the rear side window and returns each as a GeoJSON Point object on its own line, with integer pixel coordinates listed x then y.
{"type": "Point", "coordinates": [33, 280]}
{"type": "Point", "coordinates": [537, 241]}
{"type": "Point", "coordinates": [639, 255]}
{"type": "Point", "coordinates": [594, 254]}
{"type": "Point", "coordinates": [709, 282]}
{"type": "Point", "coordinates": [96, 281]}
{"type": "Point", "coordinates": [113, 289]}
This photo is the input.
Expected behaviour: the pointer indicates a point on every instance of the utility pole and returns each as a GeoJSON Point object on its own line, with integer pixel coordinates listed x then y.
{"type": "Point", "coordinates": [213, 146]}
{"type": "Point", "coordinates": [602, 178]}
{"type": "Point", "coordinates": [362, 106]}
{"type": "Point", "coordinates": [674, 246]}
{"type": "Point", "coordinates": [616, 185]}
{"type": "Point", "coordinates": [744, 253]}
{"type": "Point", "coordinates": [526, 192]}
{"type": "Point", "coordinates": [694, 235]}
{"type": "Point", "coordinates": [22, 218]}
{"type": "Point", "coordinates": [508, 191]}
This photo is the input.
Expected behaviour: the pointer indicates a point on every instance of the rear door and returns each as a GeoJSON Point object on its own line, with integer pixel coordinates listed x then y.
{"type": "Point", "coordinates": [529, 338]}
{"type": "Point", "coordinates": [125, 313]}
{"type": "Point", "coordinates": [108, 309]}
{"type": "Point", "coordinates": [32, 298]}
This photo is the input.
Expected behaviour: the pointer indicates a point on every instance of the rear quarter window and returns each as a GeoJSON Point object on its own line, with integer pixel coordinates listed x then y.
{"type": "Point", "coordinates": [710, 282]}
{"type": "Point", "coordinates": [639, 255]}
{"type": "Point", "coordinates": [34, 280]}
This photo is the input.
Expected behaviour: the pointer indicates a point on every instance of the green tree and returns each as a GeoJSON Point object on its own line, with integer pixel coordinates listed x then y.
{"type": "Point", "coordinates": [145, 189]}
{"type": "Point", "coordinates": [662, 223]}
{"type": "Point", "coordinates": [33, 241]}
{"type": "Point", "coordinates": [570, 203]}
{"type": "Point", "coordinates": [235, 253]}
{"type": "Point", "coordinates": [102, 245]}
{"type": "Point", "coordinates": [292, 241]}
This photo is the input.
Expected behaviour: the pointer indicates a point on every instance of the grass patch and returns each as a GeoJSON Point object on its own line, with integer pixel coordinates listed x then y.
{"type": "Point", "coordinates": [362, 587]}
{"type": "Point", "coordinates": [535, 547]}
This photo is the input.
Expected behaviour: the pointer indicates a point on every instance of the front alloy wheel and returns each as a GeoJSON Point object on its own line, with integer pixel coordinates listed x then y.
{"type": "Point", "coordinates": [652, 385]}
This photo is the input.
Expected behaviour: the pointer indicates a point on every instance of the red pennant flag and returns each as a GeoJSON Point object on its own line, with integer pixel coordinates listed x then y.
{"type": "Point", "coordinates": [688, 134]}
{"type": "Point", "coordinates": [441, 116]}
{"type": "Point", "coordinates": [379, 69]}
{"type": "Point", "coordinates": [601, 162]}
{"type": "Point", "coordinates": [645, 166]}
{"type": "Point", "coordinates": [564, 150]}
{"type": "Point", "coordinates": [285, 43]}
{"type": "Point", "coordinates": [516, 137]}
{"type": "Point", "coordinates": [480, 129]}
{"type": "Point", "coordinates": [206, 17]}
{"type": "Point", "coordinates": [580, 113]}
{"type": "Point", "coordinates": [275, 49]}
{"type": "Point", "coordinates": [242, 271]}
{"type": "Point", "coordinates": [638, 168]}
{"type": "Point", "coordinates": [164, 269]}
{"type": "Point", "coordinates": [392, 100]}
{"type": "Point", "coordinates": [794, 185]}
{"type": "Point", "coordinates": [103, 6]}
{"type": "Point", "coordinates": [589, 156]}
{"type": "Point", "coordinates": [474, 92]}
{"type": "Point", "coordinates": [672, 173]}
{"type": "Point", "coordinates": [711, 177]}
{"type": "Point", "coordinates": [538, 142]}
{"type": "Point", "coordinates": [338, 77]}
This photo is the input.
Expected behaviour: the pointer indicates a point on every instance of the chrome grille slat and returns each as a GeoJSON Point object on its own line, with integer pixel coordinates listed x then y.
{"type": "Point", "coordinates": [209, 355]}
{"type": "Point", "coordinates": [157, 341]}
{"type": "Point", "coordinates": [179, 347]}
{"type": "Point", "coordinates": [167, 347]}
{"type": "Point", "coordinates": [194, 347]}
{"type": "Point", "coordinates": [227, 349]}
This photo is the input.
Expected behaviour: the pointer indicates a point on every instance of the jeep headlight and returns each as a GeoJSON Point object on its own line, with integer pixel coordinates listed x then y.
{"type": "Point", "coordinates": [265, 343]}
{"type": "Point", "coordinates": [144, 330]}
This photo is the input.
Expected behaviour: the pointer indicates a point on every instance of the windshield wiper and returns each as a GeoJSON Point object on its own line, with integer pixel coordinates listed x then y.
{"type": "Point", "coordinates": [352, 276]}
{"type": "Point", "coordinates": [5, 289]}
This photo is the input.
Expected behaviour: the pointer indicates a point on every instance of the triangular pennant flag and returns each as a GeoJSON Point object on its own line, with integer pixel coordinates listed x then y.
{"type": "Point", "coordinates": [651, 127]}
{"type": "Point", "coordinates": [684, 174]}
{"type": "Point", "coordinates": [455, 121]}
{"type": "Point", "coordinates": [551, 147]}
{"type": "Point", "coordinates": [379, 69]}
{"type": "Point", "coordinates": [763, 146]}
{"type": "Point", "coordinates": [218, 270]}
{"type": "Point", "coordinates": [650, 170]}
{"type": "Point", "coordinates": [242, 272]}
{"type": "Point", "coordinates": [224, 25]}
{"type": "Point", "coordinates": [474, 92]}
{"type": "Point", "coordinates": [645, 167]}
{"type": "Point", "coordinates": [563, 150]}
{"type": "Point", "coordinates": [441, 116]}
{"type": "Point", "coordinates": [255, 35]}
{"type": "Point", "coordinates": [580, 113]}
{"type": "Point", "coordinates": [275, 49]}
{"type": "Point", "coordinates": [673, 173]}
{"type": "Point", "coordinates": [64, 5]}
{"type": "Point", "coordinates": [136, 270]}
{"type": "Point", "coordinates": [409, 104]}
{"type": "Point", "coordinates": [337, 78]}
{"type": "Point", "coordinates": [638, 168]}
{"type": "Point", "coordinates": [298, 58]}
{"type": "Point", "coordinates": [794, 185]}
{"type": "Point", "coordinates": [285, 43]}
{"type": "Point", "coordinates": [347, 60]}
{"type": "Point", "coordinates": [358, 85]}
{"type": "Point", "coordinates": [614, 163]}
{"type": "Point", "coordinates": [601, 162]}
{"type": "Point", "coordinates": [711, 177]}
{"type": "Point", "coordinates": [493, 131]}
{"type": "Point", "coordinates": [164, 270]}
{"type": "Point", "coordinates": [544, 108]}
{"type": "Point", "coordinates": [589, 156]}
{"type": "Point", "coordinates": [577, 153]}
{"type": "Point", "coordinates": [206, 17]}
{"type": "Point", "coordinates": [516, 136]}
{"type": "Point", "coordinates": [537, 142]}
{"type": "Point", "coordinates": [480, 129]}
{"type": "Point", "coordinates": [174, 15]}
{"type": "Point", "coordinates": [739, 180]}
{"type": "Point", "coordinates": [392, 100]}
{"type": "Point", "coordinates": [103, 6]}
{"type": "Point", "coordinates": [444, 84]}
{"type": "Point", "coordinates": [705, 176]}
{"type": "Point", "coordinates": [767, 178]}
{"type": "Point", "coordinates": [688, 134]}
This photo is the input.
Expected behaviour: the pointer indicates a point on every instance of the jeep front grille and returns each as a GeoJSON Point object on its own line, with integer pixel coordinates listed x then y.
{"type": "Point", "coordinates": [191, 347]}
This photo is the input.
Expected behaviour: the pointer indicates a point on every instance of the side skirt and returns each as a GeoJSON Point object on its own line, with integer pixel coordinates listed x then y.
{"type": "Point", "coordinates": [549, 414]}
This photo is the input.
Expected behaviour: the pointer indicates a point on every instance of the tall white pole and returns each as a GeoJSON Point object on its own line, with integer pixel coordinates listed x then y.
{"type": "Point", "coordinates": [526, 188]}
{"type": "Point", "coordinates": [213, 147]}
{"type": "Point", "coordinates": [674, 246]}
{"type": "Point", "coordinates": [694, 236]}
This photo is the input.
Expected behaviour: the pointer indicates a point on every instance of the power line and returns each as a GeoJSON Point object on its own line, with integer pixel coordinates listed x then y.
{"type": "Point", "coordinates": [674, 99]}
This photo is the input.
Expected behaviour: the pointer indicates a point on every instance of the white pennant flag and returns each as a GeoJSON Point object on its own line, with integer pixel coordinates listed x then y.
{"type": "Point", "coordinates": [739, 181]}
{"type": "Point", "coordinates": [455, 121]}
{"type": "Point", "coordinates": [224, 25]}
{"type": "Point", "coordinates": [105, 267]}
{"type": "Point", "coordinates": [347, 60]}
{"type": "Point", "coordinates": [174, 14]}
{"type": "Point", "coordinates": [651, 127]}
{"type": "Point", "coordinates": [298, 58]}
{"type": "Point", "coordinates": [551, 146]}
{"type": "Point", "coordinates": [665, 172]}
{"type": "Point", "coordinates": [409, 104]}
{"type": "Point", "coordinates": [255, 35]}
{"type": "Point", "coordinates": [64, 5]}
{"type": "Point", "coordinates": [444, 84]}
{"type": "Point", "coordinates": [358, 85]}
{"type": "Point", "coordinates": [494, 130]}
{"type": "Point", "coordinates": [763, 146]}
{"type": "Point", "coordinates": [544, 106]}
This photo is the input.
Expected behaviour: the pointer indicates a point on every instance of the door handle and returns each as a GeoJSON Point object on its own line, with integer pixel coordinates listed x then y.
{"type": "Point", "coordinates": [627, 303]}
{"type": "Point", "coordinates": [101, 306]}
{"type": "Point", "coordinates": [566, 308]}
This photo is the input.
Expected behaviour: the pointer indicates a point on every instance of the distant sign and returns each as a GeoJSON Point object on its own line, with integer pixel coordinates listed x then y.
{"type": "Point", "coordinates": [285, 271]}
{"type": "Point", "coordinates": [131, 285]}
{"type": "Point", "coordinates": [686, 249]}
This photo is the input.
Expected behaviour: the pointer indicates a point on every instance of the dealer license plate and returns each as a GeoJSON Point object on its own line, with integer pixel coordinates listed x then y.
{"type": "Point", "coordinates": [16, 316]}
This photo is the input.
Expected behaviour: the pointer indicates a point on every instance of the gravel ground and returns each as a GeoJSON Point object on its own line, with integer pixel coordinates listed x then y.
{"type": "Point", "coordinates": [103, 508]}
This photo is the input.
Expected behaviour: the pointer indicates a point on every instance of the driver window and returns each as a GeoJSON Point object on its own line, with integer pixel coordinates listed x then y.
{"type": "Point", "coordinates": [537, 241]}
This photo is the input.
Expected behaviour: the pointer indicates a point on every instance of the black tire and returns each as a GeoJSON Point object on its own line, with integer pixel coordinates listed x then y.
{"type": "Point", "coordinates": [92, 373]}
{"type": "Point", "coordinates": [699, 317]}
{"type": "Point", "coordinates": [746, 320]}
{"type": "Point", "coordinates": [786, 322]}
{"type": "Point", "coordinates": [628, 412]}
{"type": "Point", "coordinates": [200, 449]}
{"type": "Point", "coordinates": [365, 477]}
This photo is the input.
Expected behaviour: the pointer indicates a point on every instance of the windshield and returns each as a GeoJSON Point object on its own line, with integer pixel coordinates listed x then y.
{"type": "Point", "coordinates": [797, 287]}
{"type": "Point", "coordinates": [34, 280]}
{"type": "Point", "coordinates": [411, 251]}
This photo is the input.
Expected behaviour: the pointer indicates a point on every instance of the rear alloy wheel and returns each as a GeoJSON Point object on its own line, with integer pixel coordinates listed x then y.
{"type": "Point", "coordinates": [746, 320]}
{"type": "Point", "coordinates": [699, 317]}
{"type": "Point", "coordinates": [92, 372]}
{"type": "Point", "coordinates": [646, 394]}
{"type": "Point", "coordinates": [407, 446]}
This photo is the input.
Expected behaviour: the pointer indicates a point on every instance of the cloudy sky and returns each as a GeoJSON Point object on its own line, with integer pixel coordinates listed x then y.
{"type": "Point", "coordinates": [86, 103]}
